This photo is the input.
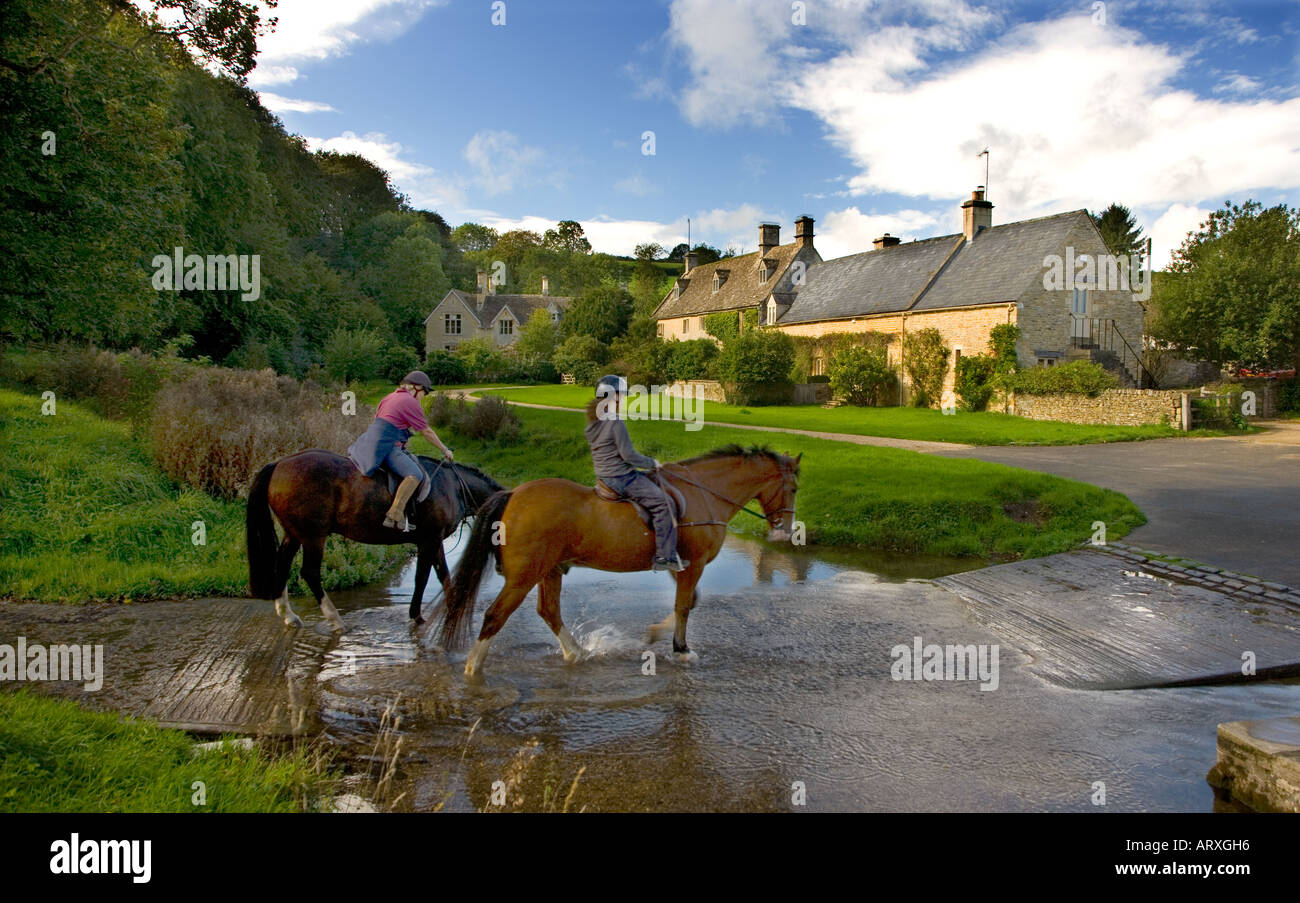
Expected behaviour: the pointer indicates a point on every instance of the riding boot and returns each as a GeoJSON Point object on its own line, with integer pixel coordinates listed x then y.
{"type": "Point", "coordinates": [397, 513]}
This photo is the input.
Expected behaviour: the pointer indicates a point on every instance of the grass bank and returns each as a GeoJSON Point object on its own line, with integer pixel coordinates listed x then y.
{"type": "Point", "coordinates": [57, 757]}
{"type": "Point", "coordinates": [850, 495]}
{"type": "Point", "coordinates": [86, 516]}
{"type": "Point", "coordinates": [970, 428]}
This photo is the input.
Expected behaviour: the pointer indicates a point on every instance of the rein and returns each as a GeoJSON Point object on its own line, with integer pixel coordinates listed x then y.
{"type": "Point", "coordinates": [714, 492]}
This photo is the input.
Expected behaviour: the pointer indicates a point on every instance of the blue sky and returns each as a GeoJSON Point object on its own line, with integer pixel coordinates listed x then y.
{"type": "Point", "coordinates": [868, 116]}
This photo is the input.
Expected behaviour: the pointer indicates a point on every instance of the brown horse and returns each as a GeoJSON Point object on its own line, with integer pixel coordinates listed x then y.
{"type": "Point", "coordinates": [541, 528]}
{"type": "Point", "coordinates": [315, 493]}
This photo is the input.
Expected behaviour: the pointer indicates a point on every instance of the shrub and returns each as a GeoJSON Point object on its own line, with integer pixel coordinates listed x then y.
{"type": "Point", "coordinates": [491, 418]}
{"type": "Point", "coordinates": [723, 326]}
{"type": "Point", "coordinates": [861, 375]}
{"type": "Point", "coordinates": [354, 354]}
{"type": "Point", "coordinates": [974, 381]}
{"type": "Point", "coordinates": [1288, 395]}
{"type": "Point", "coordinates": [926, 360]}
{"type": "Point", "coordinates": [755, 368]}
{"type": "Point", "coordinates": [399, 360]}
{"type": "Point", "coordinates": [807, 348]}
{"type": "Point", "coordinates": [483, 360]}
{"type": "Point", "coordinates": [216, 428]}
{"type": "Point", "coordinates": [445, 369]}
{"type": "Point", "coordinates": [690, 360]}
{"type": "Point", "coordinates": [582, 355]}
{"type": "Point", "coordinates": [1074, 378]}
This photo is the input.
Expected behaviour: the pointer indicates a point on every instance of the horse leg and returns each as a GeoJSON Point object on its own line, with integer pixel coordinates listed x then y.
{"type": "Point", "coordinates": [548, 606]}
{"type": "Point", "coordinates": [313, 554]}
{"type": "Point", "coordinates": [687, 596]}
{"type": "Point", "coordinates": [662, 627]}
{"type": "Point", "coordinates": [423, 562]}
{"type": "Point", "coordinates": [511, 595]}
{"type": "Point", "coordinates": [284, 560]}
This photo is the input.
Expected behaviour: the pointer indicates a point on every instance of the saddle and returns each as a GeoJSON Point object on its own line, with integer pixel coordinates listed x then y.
{"type": "Point", "coordinates": [676, 501]}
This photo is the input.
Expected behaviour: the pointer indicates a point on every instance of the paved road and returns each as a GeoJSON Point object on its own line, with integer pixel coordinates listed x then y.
{"type": "Point", "coordinates": [1231, 502]}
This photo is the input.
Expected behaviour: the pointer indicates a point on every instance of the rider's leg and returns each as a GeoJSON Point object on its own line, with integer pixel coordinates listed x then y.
{"type": "Point", "coordinates": [400, 462]}
{"type": "Point", "coordinates": [653, 499]}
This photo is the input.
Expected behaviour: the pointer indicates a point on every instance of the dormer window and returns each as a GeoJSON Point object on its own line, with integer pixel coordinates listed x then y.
{"type": "Point", "coordinates": [717, 282]}
{"type": "Point", "coordinates": [771, 311]}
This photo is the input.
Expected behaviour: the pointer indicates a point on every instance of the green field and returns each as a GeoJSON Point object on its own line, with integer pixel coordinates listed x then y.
{"type": "Point", "coordinates": [970, 428]}
{"type": "Point", "coordinates": [85, 515]}
{"type": "Point", "coordinates": [58, 757]}
{"type": "Point", "coordinates": [850, 495]}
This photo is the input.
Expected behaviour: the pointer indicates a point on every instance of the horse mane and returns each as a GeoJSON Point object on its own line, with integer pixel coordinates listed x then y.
{"type": "Point", "coordinates": [735, 451]}
{"type": "Point", "coordinates": [430, 464]}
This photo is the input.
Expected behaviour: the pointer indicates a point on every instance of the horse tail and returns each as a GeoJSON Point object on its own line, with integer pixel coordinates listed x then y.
{"type": "Point", "coordinates": [262, 541]}
{"type": "Point", "coordinates": [463, 591]}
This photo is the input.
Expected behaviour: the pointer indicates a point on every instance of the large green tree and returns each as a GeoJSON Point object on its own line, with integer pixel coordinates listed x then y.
{"type": "Point", "coordinates": [1120, 231]}
{"type": "Point", "coordinates": [1233, 290]}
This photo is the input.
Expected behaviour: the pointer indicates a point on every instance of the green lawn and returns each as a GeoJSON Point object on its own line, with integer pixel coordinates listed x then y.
{"type": "Point", "coordinates": [895, 423]}
{"type": "Point", "coordinates": [850, 495]}
{"type": "Point", "coordinates": [58, 757]}
{"type": "Point", "coordinates": [85, 515]}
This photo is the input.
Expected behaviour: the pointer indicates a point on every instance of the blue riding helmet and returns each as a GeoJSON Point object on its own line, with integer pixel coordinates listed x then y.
{"type": "Point", "coordinates": [617, 383]}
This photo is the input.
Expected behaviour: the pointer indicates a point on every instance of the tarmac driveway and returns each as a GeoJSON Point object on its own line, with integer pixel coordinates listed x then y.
{"type": "Point", "coordinates": [1232, 502]}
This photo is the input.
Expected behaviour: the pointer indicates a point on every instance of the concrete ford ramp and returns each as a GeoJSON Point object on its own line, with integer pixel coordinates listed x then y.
{"type": "Point", "coordinates": [1093, 620]}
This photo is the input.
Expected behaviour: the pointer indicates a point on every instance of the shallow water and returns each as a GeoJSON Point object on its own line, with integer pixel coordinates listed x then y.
{"type": "Point", "coordinates": [791, 703]}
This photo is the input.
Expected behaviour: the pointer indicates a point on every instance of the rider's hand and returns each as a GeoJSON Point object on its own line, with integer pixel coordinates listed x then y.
{"type": "Point", "coordinates": [657, 464]}
{"type": "Point", "coordinates": [447, 453]}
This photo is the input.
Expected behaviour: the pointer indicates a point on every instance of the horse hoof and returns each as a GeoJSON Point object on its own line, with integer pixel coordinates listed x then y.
{"type": "Point", "coordinates": [292, 621]}
{"type": "Point", "coordinates": [338, 627]}
{"type": "Point", "coordinates": [417, 620]}
{"type": "Point", "coordinates": [686, 658]}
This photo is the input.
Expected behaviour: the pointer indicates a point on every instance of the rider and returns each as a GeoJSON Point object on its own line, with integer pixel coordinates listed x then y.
{"type": "Point", "coordinates": [616, 462]}
{"type": "Point", "coordinates": [383, 444]}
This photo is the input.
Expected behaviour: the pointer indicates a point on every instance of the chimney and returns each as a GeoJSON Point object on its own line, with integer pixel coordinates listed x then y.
{"type": "Point", "coordinates": [803, 231]}
{"type": "Point", "coordinates": [885, 241]}
{"type": "Point", "coordinates": [976, 214]}
{"type": "Point", "coordinates": [546, 285]}
{"type": "Point", "coordinates": [484, 288]}
{"type": "Point", "coordinates": [769, 236]}
{"type": "Point", "coordinates": [692, 260]}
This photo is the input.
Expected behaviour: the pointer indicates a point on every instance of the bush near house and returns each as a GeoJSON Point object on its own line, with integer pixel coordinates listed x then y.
{"type": "Point", "coordinates": [755, 368]}
{"type": "Point", "coordinates": [693, 359]}
{"type": "Point", "coordinates": [582, 355]}
{"type": "Point", "coordinates": [399, 360]}
{"type": "Point", "coordinates": [926, 359]}
{"type": "Point", "coordinates": [862, 376]}
{"type": "Point", "coordinates": [445, 368]}
{"type": "Point", "coordinates": [974, 381]}
{"type": "Point", "coordinates": [807, 349]}
{"type": "Point", "coordinates": [1074, 378]}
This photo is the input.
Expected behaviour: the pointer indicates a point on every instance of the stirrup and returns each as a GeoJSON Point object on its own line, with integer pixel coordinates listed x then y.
{"type": "Point", "coordinates": [403, 526]}
{"type": "Point", "coordinates": [674, 564]}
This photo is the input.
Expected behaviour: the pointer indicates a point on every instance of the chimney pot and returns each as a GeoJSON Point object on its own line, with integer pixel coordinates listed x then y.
{"type": "Point", "coordinates": [886, 241]}
{"type": "Point", "coordinates": [976, 214]}
{"type": "Point", "coordinates": [692, 260]}
{"type": "Point", "coordinates": [803, 231]}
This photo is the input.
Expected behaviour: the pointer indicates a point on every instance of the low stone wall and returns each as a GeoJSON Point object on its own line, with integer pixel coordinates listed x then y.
{"type": "Point", "coordinates": [1117, 407]}
{"type": "Point", "coordinates": [707, 389]}
{"type": "Point", "coordinates": [812, 393]}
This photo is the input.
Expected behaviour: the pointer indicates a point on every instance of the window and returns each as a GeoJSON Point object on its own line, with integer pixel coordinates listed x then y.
{"type": "Point", "coordinates": [507, 327]}
{"type": "Point", "coordinates": [819, 363]}
{"type": "Point", "coordinates": [555, 316]}
{"type": "Point", "coordinates": [717, 282]}
{"type": "Point", "coordinates": [686, 325]}
{"type": "Point", "coordinates": [1047, 362]}
{"type": "Point", "coordinates": [771, 311]}
{"type": "Point", "coordinates": [659, 329]}
{"type": "Point", "coordinates": [764, 274]}
{"type": "Point", "coordinates": [956, 359]}
{"type": "Point", "coordinates": [451, 324]}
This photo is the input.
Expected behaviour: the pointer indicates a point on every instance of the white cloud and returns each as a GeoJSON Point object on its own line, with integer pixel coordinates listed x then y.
{"type": "Point", "coordinates": [1076, 115]}
{"type": "Point", "coordinates": [425, 187]}
{"type": "Point", "coordinates": [1169, 230]}
{"type": "Point", "coordinates": [637, 185]}
{"type": "Point", "coordinates": [264, 76]}
{"type": "Point", "coordinates": [277, 104]}
{"type": "Point", "coordinates": [1237, 84]}
{"type": "Point", "coordinates": [501, 162]}
{"type": "Point", "coordinates": [850, 231]}
{"type": "Point", "coordinates": [321, 29]}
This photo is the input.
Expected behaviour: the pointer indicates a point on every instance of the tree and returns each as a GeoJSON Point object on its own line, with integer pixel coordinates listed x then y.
{"type": "Point", "coordinates": [705, 254]}
{"type": "Point", "coordinates": [354, 354]}
{"type": "Point", "coordinates": [861, 374]}
{"type": "Point", "coordinates": [678, 253]}
{"type": "Point", "coordinates": [566, 236]}
{"type": "Point", "coordinates": [582, 356]}
{"type": "Point", "coordinates": [1233, 293]}
{"type": "Point", "coordinates": [538, 338]}
{"type": "Point", "coordinates": [474, 237]}
{"type": "Point", "coordinates": [1120, 230]}
{"type": "Point", "coordinates": [601, 312]}
{"type": "Point", "coordinates": [926, 362]}
{"type": "Point", "coordinates": [649, 251]}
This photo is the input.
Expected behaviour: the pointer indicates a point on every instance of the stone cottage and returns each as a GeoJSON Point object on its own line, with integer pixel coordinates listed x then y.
{"type": "Point", "coordinates": [736, 284]}
{"type": "Point", "coordinates": [485, 314]}
{"type": "Point", "coordinates": [966, 283]}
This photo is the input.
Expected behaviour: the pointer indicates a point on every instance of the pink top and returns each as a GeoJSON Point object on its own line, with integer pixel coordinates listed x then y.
{"type": "Point", "coordinates": [403, 411]}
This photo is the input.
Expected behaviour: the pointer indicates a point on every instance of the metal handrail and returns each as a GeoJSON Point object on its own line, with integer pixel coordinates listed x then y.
{"type": "Point", "coordinates": [1100, 334]}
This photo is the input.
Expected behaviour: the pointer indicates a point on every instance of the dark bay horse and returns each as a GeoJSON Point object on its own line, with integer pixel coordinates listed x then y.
{"type": "Point", "coordinates": [539, 529]}
{"type": "Point", "coordinates": [315, 493]}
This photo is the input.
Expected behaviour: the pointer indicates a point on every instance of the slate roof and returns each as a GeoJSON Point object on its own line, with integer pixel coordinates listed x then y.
{"type": "Point", "coordinates": [521, 306]}
{"type": "Point", "coordinates": [741, 290]}
{"type": "Point", "coordinates": [999, 265]}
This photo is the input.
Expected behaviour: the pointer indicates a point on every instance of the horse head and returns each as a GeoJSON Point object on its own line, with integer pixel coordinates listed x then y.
{"type": "Point", "coordinates": [777, 497]}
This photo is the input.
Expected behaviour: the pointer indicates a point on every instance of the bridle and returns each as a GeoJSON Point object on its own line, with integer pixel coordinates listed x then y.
{"type": "Point", "coordinates": [788, 485]}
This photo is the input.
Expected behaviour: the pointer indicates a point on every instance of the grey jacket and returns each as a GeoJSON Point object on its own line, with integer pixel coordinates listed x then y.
{"type": "Point", "coordinates": [612, 453]}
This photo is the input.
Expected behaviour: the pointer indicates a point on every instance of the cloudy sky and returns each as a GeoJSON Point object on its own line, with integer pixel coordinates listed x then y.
{"type": "Point", "coordinates": [867, 115]}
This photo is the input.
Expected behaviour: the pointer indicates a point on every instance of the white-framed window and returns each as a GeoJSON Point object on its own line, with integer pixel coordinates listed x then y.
{"type": "Point", "coordinates": [764, 274]}
{"type": "Point", "coordinates": [1047, 362]}
{"type": "Point", "coordinates": [819, 363]}
{"type": "Point", "coordinates": [659, 330]}
{"type": "Point", "coordinates": [451, 324]}
{"type": "Point", "coordinates": [717, 282]}
{"type": "Point", "coordinates": [686, 324]}
{"type": "Point", "coordinates": [771, 311]}
{"type": "Point", "coordinates": [507, 327]}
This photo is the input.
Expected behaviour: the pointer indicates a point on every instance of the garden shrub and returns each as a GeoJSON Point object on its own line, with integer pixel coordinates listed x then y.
{"type": "Point", "coordinates": [926, 360]}
{"type": "Point", "coordinates": [975, 381]}
{"type": "Point", "coordinates": [861, 375]}
{"type": "Point", "coordinates": [444, 368]}
{"type": "Point", "coordinates": [1074, 378]}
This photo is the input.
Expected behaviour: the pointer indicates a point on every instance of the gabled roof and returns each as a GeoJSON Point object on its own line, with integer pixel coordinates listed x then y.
{"type": "Point", "coordinates": [521, 307]}
{"type": "Point", "coordinates": [741, 290]}
{"type": "Point", "coordinates": [999, 265]}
